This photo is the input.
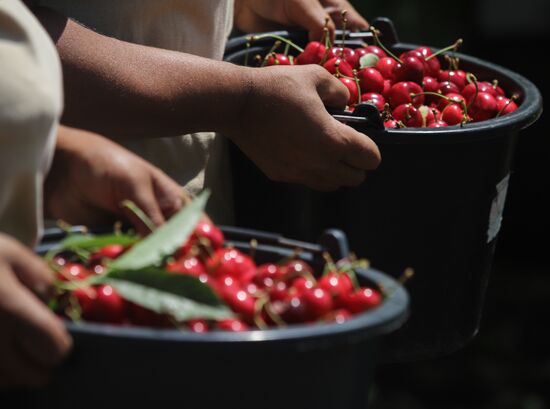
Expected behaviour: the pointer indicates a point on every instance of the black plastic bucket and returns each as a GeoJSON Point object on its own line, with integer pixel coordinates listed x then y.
{"type": "Point", "coordinates": [434, 204]}
{"type": "Point", "coordinates": [302, 366]}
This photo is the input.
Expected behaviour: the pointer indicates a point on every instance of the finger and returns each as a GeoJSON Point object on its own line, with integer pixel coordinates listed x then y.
{"type": "Point", "coordinates": [312, 16]}
{"type": "Point", "coordinates": [332, 92]}
{"type": "Point", "coordinates": [169, 195]}
{"type": "Point", "coordinates": [142, 194]}
{"type": "Point", "coordinates": [355, 21]}
{"type": "Point", "coordinates": [41, 336]}
{"type": "Point", "coordinates": [29, 268]}
{"type": "Point", "coordinates": [360, 151]}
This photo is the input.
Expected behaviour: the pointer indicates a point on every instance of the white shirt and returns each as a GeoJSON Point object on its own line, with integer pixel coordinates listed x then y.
{"type": "Point", "coordinates": [30, 107]}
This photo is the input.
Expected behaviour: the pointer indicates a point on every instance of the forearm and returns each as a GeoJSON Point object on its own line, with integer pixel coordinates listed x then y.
{"type": "Point", "coordinates": [125, 90]}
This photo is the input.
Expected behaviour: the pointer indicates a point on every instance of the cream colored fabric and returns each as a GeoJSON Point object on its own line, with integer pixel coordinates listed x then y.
{"type": "Point", "coordinates": [30, 106]}
{"type": "Point", "coordinates": [199, 27]}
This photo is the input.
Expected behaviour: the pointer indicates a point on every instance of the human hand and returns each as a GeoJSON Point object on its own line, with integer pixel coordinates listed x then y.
{"type": "Point", "coordinates": [91, 176]}
{"type": "Point", "coordinates": [266, 15]}
{"type": "Point", "coordinates": [286, 131]}
{"type": "Point", "coordinates": [32, 339]}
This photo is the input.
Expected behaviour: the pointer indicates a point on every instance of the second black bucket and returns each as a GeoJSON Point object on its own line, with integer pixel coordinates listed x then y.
{"type": "Point", "coordinates": [434, 204]}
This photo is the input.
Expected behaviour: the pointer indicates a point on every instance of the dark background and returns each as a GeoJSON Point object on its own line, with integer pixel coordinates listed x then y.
{"type": "Point", "coordinates": [508, 364]}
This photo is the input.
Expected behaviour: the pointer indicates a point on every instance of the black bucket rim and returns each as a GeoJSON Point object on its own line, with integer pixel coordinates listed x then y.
{"type": "Point", "coordinates": [527, 113]}
{"type": "Point", "coordinates": [387, 317]}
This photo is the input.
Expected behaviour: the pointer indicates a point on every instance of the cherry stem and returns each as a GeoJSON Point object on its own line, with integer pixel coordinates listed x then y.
{"type": "Point", "coordinates": [453, 47]}
{"type": "Point", "coordinates": [295, 253]}
{"type": "Point", "coordinates": [258, 307]}
{"type": "Point", "coordinates": [253, 248]}
{"type": "Point", "coordinates": [472, 79]}
{"type": "Point", "coordinates": [274, 316]}
{"type": "Point", "coordinates": [327, 44]}
{"type": "Point", "coordinates": [278, 37]}
{"type": "Point", "coordinates": [358, 86]}
{"type": "Point", "coordinates": [287, 49]}
{"type": "Point", "coordinates": [446, 98]}
{"type": "Point", "coordinates": [329, 263]}
{"type": "Point", "coordinates": [140, 214]}
{"type": "Point", "coordinates": [247, 52]}
{"type": "Point", "coordinates": [375, 33]}
{"type": "Point", "coordinates": [344, 26]}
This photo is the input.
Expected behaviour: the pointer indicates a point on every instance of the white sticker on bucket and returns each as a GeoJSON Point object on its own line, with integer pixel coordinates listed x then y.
{"type": "Point", "coordinates": [497, 207]}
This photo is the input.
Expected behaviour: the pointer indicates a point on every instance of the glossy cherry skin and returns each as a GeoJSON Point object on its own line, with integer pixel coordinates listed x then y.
{"type": "Point", "coordinates": [318, 302]}
{"type": "Point", "coordinates": [506, 106]}
{"type": "Point", "coordinates": [297, 267]}
{"type": "Point", "coordinates": [352, 88]}
{"type": "Point", "coordinates": [313, 53]}
{"type": "Point", "coordinates": [400, 93]}
{"type": "Point", "coordinates": [430, 84]}
{"type": "Point", "coordinates": [73, 271]}
{"type": "Point", "coordinates": [457, 77]}
{"type": "Point", "coordinates": [457, 98]}
{"type": "Point", "coordinates": [374, 49]}
{"type": "Point", "coordinates": [295, 310]}
{"type": "Point", "coordinates": [343, 67]}
{"type": "Point", "coordinates": [101, 304]}
{"type": "Point", "coordinates": [336, 283]}
{"type": "Point", "coordinates": [198, 326]}
{"type": "Point", "coordinates": [391, 124]}
{"type": "Point", "coordinates": [110, 251]}
{"type": "Point", "coordinates": [371, 80]}
{"type": "Point", "coordinates": [188, 265]}
{"type": "Point", "coordinates": [409, 115]}
{"type": "Point", "coordinates": [386, 66]}
{"type": "Point", "coordinates": [278, 59]}
{"type": "Point", "coordinates": [240, 302]}
{"type": "Point", "coordinates": [411, 69]}
{"type": "Point", "coordinates": [138, 315]}
{"type": "Point", "coordinates": [362, 300]}
{"type": "Point", "coordinates": [204, 230]}
{"type": "Point", "coordinates": [470, 90]}
{"type": "Point", "coordinates": [231, 262]}
{"type": "Point", "coordinates": [438, 124]}
{"type": "Point", "coordinates": [482, 107]}
{"type": "Point", "coordinates": [347, 54]}
{"type": "Point", "coordinates": [452, 114]}
{"type": "Point", "coordinates": [301, 284]}
{"type": "Point", "coordinates": [267, 274]}
{"type": "Point", "coordinates": [375, 99]}
{"type": "Point", "coordinates": [447, 87]}
{"type": "Point", "coordinates": [432, 67]}
{"type": "Point", "coordinates": [232, 325]}
{"type": "Point", "coordinates": [338, 316]}
{"type": "Point", "coordinates": [279, 291]}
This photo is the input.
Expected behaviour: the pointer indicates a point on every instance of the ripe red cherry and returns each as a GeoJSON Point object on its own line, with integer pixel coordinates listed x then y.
{"type": "Point", "coordinates": [452, 114]}
{"type": "Point", "coordinates": [411, 69]}
{"type": "Point", "coordinates": [101, 304]}
{"type": "Point", "coordinates": [231, 262]}
{"type": "Point", "coordinates": [278, 59]}
{"type": "Point", "coordinates": [204, 230]}
{"type": "Point", "coordinates": [373, 49]}
{"type": "Point", "coordinates": [336, 284]}
{"type": "Point", "coordinates": [343, 67]}
{"type": "Point", "coordinates": [362, 300]}
{"type": "Point", "coordinates": [438, 124]}
{"type": "Point", "coordinates": [470, 90]}
{"type": "Point", "coordinates": [188, 265]}
{"type": "Point", "coordinates": [232, 325]}
{"type": "Point", "coordinates": [294, 310]}
{"type": "Point", "coordinates": [239, 301]}
{"type": "Point", "coordinates": [318, 302]}
{"type": "Point", "coordinates": [73, 271]}
{"type": "Point", "coordinates": [386, 66]}
{"type": "Point", "coordinates": [409, 115]}
{"type": "Point", "coordinates": [447, 87]}
{"type": "Point", "coordinates": [346, 53]}
{"type": "Point", "coordinates": [110, 251]}
{"type": "Point", "coordinates": [432, 66]}
{"type": "Point", "coordinates": [506, 106]}
{"type": "Point", "coordinates": [400, 93]}
{"type": "Point", "coordinates": [279, 291]}
{"type": "Point", "coordinates": [138, 315]}
{"type": "Point", "coordinates": [338, 316]}
{"type": "Point", "coordinates": [387, 87]}
{"type": "Point", "coordinates": [297, 267]}
{"type": "Point", "coordinates": [267, 274]}
{"type": "Point", "coordinates": [301, 284]}
{"type": "Point", "coordinates": [352, 88]}
{"type": "Point", "coordinates": [370, 80]}
{"type": "Point", "coordinates": [457, 98]}
{"type": "Point", "coordinates": [430, 84]}
{"type": "Point", "coordinates": [457, 77]}
{"type": "Point", "coordinates": [313, 53]}
{"type": "Point", "coordinates": [482, 107]}
{"type": "Point", "coordinates": [374, 98]}
{"type": "Point", "coordinates": [391, 123]}
{"type": "Point", "coordinates": [198, 326]}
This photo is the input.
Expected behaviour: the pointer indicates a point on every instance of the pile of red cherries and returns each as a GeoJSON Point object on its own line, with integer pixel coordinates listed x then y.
{"type": "Point", "coordinates": [261, 296]}
{"type": "Point", "coordinates": [409, 90]}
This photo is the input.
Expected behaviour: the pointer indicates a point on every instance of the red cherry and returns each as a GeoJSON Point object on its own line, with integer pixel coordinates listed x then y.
{"type": "Point", "coordinates": [374, 98]}
{"type": "Point", "coordinates": [430, 84]}
{"type": "Point", "coordinates": [266, 274]}
{"type": "Point", "coordinates": [400, 93]}
{"type": "Point", "coordinates": [73, 271]}
{"type": "Point", "coordinates": [432, 66]}
{"type": "Point", "coordinates": [409, 115]}
{"type": "Point", "coordinates": [338, 316]}
{"type": "Point", "coordinates": [457, 98]}
{"type": "Point", "coordinates": [447, 87]}
{"type": "Point", "coordinates": [239, 301]}
{"type": "Point", "coordinates": [374, 49]}
{"type": "Point", "coordinates": [144, 317]}
{"type": "Point", "coordinates": [438, 124]}
{"type": "Point", "coordinates": [101, 304]}
{"type": "Point", "coordinates": [506, 106]}
{"type": "Point", "coordinates": [387, 87]}
{"type": "Point", "coordinates": [352, 88]}
{"type": "Point", "coordinates": [204, 230]}
{"type": "Point", "coordinates": [482, 107]}
{"type": "Point", "coordinates": [318, 302]}
{"type": "Point", "coordinates": [110, 251]}
{"type": "Point", "coordinates": [278, 59]}
{"type": "Point", "coordinates": [198, 326]}
{"type": "Point", "coordinates": [189, 265]}
{"type": "Point", "coordinates": [231, 262]}
{"type": "Point", "coordinates": [343, 67]}
{"type": "Point", "coordinates": [362, 300]}
{"type": "Point", "coordinates": [386, 66]}
{"type": "Point", "coordinates": [452, 114]}
{"type": "Point", "coordinates": [470, 90]}
{"type": "Point", "coordinates": [301, 284]}
{"type": "Point", "coordinates": [232, 325]}
{"type": "Point", "coordinates": [346, 53]}
{"type": "Point", "coordinates": [295, 310]}
{"type": "Point", "coordinates": [412, 69]}
{"type": "Point", "coordinates": [297, 267]}
{"type": "Point", "coordinates": [279, 291]}
{"type": "Point", "coordinates": [457, 77]}
{"type": "Point", "coordinates": [336, 284]}
{"type": "Point", "coordinates": [371, 80]}
{"type": "Point", "coordinates": [313, 53]}
{"type": "Point", "coordinates": [391, 123]}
